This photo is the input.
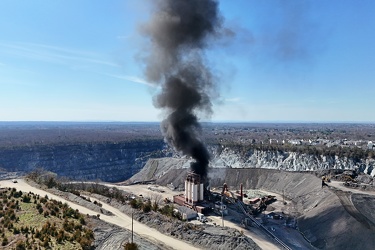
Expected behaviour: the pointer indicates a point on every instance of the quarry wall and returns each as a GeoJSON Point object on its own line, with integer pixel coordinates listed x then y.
{"type": "Point", "coordinates": [110, 162]}
{"type": "Point", "coordinates": [289, 161]}
{"type": "Point", "coordinates": [114, 162]}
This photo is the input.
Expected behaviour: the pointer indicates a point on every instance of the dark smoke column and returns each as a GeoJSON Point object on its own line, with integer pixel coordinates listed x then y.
{"type": "Point", "coordinates": [178, 33]}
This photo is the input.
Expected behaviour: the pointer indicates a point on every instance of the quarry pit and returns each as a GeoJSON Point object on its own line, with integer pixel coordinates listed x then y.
{"type": "Point", "coordinates": [304, 215]}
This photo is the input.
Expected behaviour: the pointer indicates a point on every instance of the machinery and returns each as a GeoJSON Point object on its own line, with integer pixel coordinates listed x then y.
{"type": "Point", "coordinates": [347, 178]}
{"type": "Point", "coordinates": [201, 218]}
{"type": "Point", "coordinates": [326, 178]}
{"type": "Point", "coordinates": [226, 191]}
{"type": "Point", "coordinates": [238, 196]}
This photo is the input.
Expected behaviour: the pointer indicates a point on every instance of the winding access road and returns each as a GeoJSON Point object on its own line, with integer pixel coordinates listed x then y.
{"type": "Point", "coordinates": [118, 218]}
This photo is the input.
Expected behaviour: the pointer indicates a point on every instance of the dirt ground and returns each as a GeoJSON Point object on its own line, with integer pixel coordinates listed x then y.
{"type": "Point", "coordinates": [290, 235]}
{"type": "Point", "coordinates": [150, 190]}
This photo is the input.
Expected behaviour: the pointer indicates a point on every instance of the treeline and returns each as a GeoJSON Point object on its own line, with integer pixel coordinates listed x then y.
{"type": "Point", "coordinates": [50, 180]}
{"type": "Point", "coordinates": [47, 145]}
{"type": "Point", "coordinates": [357, 154]}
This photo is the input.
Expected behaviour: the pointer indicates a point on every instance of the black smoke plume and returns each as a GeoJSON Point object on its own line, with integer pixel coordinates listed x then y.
{"type": "Point", "coordinates": [178, 32]}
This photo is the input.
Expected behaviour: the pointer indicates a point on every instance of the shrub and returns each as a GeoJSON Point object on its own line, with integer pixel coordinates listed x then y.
{"type": "Point", "coordinates": [40, 210]}
{"type": "Point", "coordinates": [68, 226]}
{"type": "Point", "coordinates": [26, 198]}
{"type": "Point", "coordinates": [60, 237]}
{"type": "Point", "coordinates": [45, 242]}
{"type": "Point", "coordinates": [16, 230]}
{"type": "Point", "coordinates": [133, 203]}
{"type": "Point", "coordinates": [82, 221]}
{"type": "Point", "coordinates": [77, 235]}
{"type": "Point", "coordinates": [5, 241]}
{"type": "Point", "coordinates": [130, 246]}
{"type": "Point", "coordinates": [20, 245]}
{"type": "Point", "coordinates": [147, 206]}
{"type": "Point", "coordinates": [85, 243]}
{"type": "Point", "coordinates": [167, 210]}
{"type": "Point", "coordinates": [51, 182]}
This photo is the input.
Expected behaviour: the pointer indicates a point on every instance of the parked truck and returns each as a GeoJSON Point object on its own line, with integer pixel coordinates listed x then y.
{"type": "Point", "coordinates": [202, 218]}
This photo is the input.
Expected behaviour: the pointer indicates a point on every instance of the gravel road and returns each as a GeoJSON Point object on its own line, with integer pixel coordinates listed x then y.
{"type": "Point", "coordinates": [118, 218]}
{"type": "Point", "coordinates": [340, 185]}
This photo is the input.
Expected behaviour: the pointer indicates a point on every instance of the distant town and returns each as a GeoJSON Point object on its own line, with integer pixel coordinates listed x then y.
{"type": "Point", "coordinates": [343, 135]}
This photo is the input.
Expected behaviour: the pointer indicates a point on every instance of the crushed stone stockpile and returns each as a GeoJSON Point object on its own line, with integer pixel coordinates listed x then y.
{"type": "Point", "coordinates": [109, 236]}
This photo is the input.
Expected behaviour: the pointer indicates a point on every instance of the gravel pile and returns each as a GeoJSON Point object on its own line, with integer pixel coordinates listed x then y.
{"type": "Point", "coordinates": [108, 236]}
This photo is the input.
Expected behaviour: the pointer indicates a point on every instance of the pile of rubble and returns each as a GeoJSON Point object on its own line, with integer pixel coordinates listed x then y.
{"type": "Point", "coordinates": [351, 178]}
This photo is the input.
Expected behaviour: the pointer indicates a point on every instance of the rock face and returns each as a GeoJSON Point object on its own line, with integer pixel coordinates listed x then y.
{"type": "Point", "coordinates": [110, 162]}
{"type": "Point", "coordinates": [256, 159]}
{"type": "Point", "coordinates": [119, 161]}
{"type": "Point", "coordinates": [289, 161]}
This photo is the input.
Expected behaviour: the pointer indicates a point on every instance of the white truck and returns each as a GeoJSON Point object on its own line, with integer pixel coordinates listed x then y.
{"type": "Point", "coordinates": [202, 218]}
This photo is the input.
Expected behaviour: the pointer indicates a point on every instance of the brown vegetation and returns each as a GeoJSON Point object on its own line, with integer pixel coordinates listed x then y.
{"type": "Point", "coordinates": [29, 221]}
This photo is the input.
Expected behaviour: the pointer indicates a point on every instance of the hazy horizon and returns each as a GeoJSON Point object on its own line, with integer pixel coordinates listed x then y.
{"type": "Point", "coordinates": [202, 122]}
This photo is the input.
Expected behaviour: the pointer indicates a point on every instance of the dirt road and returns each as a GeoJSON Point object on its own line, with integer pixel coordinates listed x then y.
{"type": "Point", "coordinates": [259, 238]}
{"type": "Point", "coordinates": [339, 185]}
{"type": "Point", "coordinates": [118, 218]}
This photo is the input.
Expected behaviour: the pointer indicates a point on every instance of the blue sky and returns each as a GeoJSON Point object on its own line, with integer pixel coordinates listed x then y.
{"type": "Point", "coordinates": [305, 61]}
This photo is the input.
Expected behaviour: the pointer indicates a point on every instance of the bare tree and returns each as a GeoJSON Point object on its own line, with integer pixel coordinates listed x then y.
{"type": "Point", "coordinates": [155, 201]}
